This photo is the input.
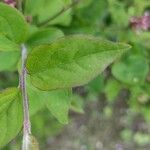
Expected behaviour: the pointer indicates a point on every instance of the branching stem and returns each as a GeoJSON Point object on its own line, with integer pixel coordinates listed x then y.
{"type": "Point", "coordinates": [63, 10]}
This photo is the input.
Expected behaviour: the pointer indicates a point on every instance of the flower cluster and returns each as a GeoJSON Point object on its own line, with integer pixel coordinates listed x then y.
{"type": "Point", "coordinates": [10, 2]}
{"type": "Point", "coordinates": [141, 23]}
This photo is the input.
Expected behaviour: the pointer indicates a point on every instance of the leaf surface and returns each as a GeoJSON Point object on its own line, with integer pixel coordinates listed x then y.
{"type": "Point", "coordinates": [129, 70]}
{"type": "Point", "coordinates": [58, 102]}
{"type": "Point", "coordinates": [12, 23]}
{"type": "Point", "coordinates": [44, 36]}
{"type": "Point", "coordinates": [9, 60]}
{"type": "Point", "coordinates": [71, 61]}
{"type": "Point", "coordinates": [44, 9]}
{"type": "Point", "coordinates": [11, 115]}
{"type": "Point", "coordinates": [7, 45]}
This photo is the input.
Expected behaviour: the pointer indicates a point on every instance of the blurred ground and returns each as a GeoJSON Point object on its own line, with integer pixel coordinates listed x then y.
{"type": "Point", "coordinates": [94, 131]}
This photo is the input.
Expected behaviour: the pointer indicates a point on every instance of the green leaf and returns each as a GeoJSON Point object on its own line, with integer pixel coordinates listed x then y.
{"type": "Point", "coordinates": [7, 45]}
{"type": "Point", "coordinates": [9, 60]}
{"type": "Point", "coordinates": [44, 36]}
{"type": "Point", "coordinates": [77, 104]}
{"type": "Point", "coordinates": [58, 102]}
{"type": "Point", "coordinates": [97, 85]}
{"type": "Point", "coordinates": [117, 10]}
{"type": "Point", "coordinates": [112, 89]}
{"type": "Point", "coordinates": [44, 9]}
{"type": "Point", "coordinates": [141, 139]}
{"type": "Point", "coordinates": [129, 72]}
{"type": "Point", "coordinates": [71, 61]}
{"type": "Point", "coordinates": [11, 115]}
{"type": "Point", "coordinates": [12, 23]}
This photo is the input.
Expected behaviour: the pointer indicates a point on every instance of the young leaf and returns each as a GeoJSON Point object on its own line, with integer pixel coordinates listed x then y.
{"type": "Point", "coordinates": [7, 45]}
{"type": "Point", "coordinates": [71, 61]}
{"type": "Point", "coordinates": [12, 23]}
{"type": "Point", "coordinates": [128, 70]}
{"type": "Point", "coordinates": [58, 102]}
{"type": "Point", "coordinates": [112, 89]}
{"type": "Point", "coordinates": [44, 36]}
{"type": "Point", "coordinates": [77, 104]}
{"type": "Point", "coordinates": [11, 115]}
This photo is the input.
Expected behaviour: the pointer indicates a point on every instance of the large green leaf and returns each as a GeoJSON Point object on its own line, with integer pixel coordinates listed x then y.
{"type": "Point", "coordinates": [129, 71]}
{"type": "Point", "coordinates": [11, 115]}
{"type": "Point", "coordinates": [7, 45]}
{"type": "Point", "coordinates": [58, 102]}
{"type": "Point", "coordinates": [12, 23]}
{"type": "Point", "coordinates": [9, 60]}
{"type": "Point", "coordinates": [71, 61]}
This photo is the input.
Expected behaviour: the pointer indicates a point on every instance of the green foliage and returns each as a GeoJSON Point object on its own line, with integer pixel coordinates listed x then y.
{"type": "Point", "coordinates": [7, 45]}
{"type": "Point", "coordinates": [141, 138]}
{"type": "Point", "coordinates": [44, 36]}
{"type": "Point", "coordinates": [51, 7]}
{"type": "Point", "coordinates": [128, 71]}
{"type": "Point", "coordinates": [57, 62]}
{"type": "Point", "coordinates": [97, 85]}
{"type": "Point", "coordinates": [11, 115]}
{"type": "Point", "coordinates": [9, 60]}
{"type": "Point", "coordinates": [15, 29]}
{"type": "Point", "coordinates": [126, 134]}
{"type": "Point", "coordinates": [58, 102]}
{"type": "Point", "coordinates": [77, 104]}
{"type": "Point", "coordinates": [45, 124]}
{"type": "Point", "coordinates": [117, 10]}
{"type": "Point", "coordinates": [112, 89]}
{"type": "Point", "coordinates": [139, 100]}
{"type": "Point", "coordinates": [59, 65]}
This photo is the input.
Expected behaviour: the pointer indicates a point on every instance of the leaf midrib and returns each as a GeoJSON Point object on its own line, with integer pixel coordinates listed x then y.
{"type": "Point", "coordinates": [76, 59]}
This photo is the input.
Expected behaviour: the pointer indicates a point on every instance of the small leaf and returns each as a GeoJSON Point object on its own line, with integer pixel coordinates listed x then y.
{"type": "Point", "coordinates": [11, 115]}
{"type": "Point", "coordinates": [12, 23]}
{"type": "Point", "coordinates": [44, 36]}
{"type": "Point", "coordinates": [97, 85]}
{"type": "Point", "coordinates": [112, 89]}
{"type": "Point", "coordinates": [129, 72]}
{"type": "Point", "coordinates": [77, 104]}
{"type": "Point", "coordinates": [58, 101]}
{"type": "Point", "coordinates": [7, 45]}
{"type": "Point", "coordinates": [71, 61]}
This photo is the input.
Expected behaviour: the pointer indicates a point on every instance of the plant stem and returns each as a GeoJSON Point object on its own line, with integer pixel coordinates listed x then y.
{"type": "Point", "coordinates": [19, 4]}
{"type": "Point", "coordinates": [26, 124]}
{"type": "Point", "coordinates": [63, 10]}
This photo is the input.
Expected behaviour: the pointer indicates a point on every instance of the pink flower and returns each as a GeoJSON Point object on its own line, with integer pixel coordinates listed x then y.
{"type": "Point", "coordinates": [10, 2]}
{"type": "Point", "coordinates": [141, 23]}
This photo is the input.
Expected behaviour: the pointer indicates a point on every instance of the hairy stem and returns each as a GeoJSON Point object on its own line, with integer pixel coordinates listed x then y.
{"type": "Point", "coordinates": [63, 10]}
{"type": "Point", "coordinates": [26, 123]}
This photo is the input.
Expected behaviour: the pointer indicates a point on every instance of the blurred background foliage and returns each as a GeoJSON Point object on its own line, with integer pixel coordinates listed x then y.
{"type": "Point", "coordinates": [111, 112]}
